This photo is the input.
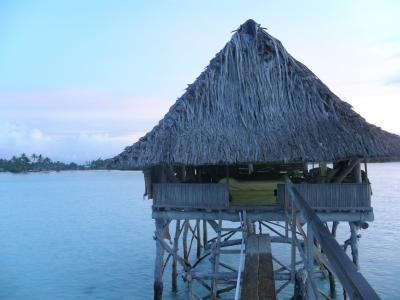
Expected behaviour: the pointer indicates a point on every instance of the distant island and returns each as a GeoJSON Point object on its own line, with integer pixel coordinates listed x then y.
{"type": "Point", "coordinates": [39, 163]}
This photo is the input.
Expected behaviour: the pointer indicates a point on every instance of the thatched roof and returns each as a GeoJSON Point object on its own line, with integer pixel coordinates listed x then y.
{"type": "Point", "coordinates": [255, 103]}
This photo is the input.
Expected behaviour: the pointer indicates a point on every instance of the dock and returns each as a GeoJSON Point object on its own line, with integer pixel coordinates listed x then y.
{"type": "Point", "coordinates": [258, 278]}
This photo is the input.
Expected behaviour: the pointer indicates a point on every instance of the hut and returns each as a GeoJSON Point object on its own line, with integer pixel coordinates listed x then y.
{"type": "Point", "coordinates": [258, 139]}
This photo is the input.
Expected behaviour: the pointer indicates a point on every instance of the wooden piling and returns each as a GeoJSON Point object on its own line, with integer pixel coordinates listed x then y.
{"type": "Point", "coordinates": [331, 276]}
{"type": "Point", "coordinates": [205, 234]}
{"type": "Point", "coordinates": [159, 261]}
{"type": "Point", "coordinates": [354, 243]}
{"type": "Point", "coordinates": [198, 239]}
{"type": "Point", "coordinates": [184, 241]}
{"type": "Point", "coordinates": [174, 275]}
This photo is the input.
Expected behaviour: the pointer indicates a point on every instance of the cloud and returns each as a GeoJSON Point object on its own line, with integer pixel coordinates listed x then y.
{"type": "Point", "coordinates": [73, 111]}
{"type": "Point", "coordinates": [75, 125]}
{"type": "Point", "coordinates": [80, 147]}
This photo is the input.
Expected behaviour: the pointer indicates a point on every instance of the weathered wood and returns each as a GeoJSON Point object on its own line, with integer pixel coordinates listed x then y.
{"type": "Point", "coordinates": [300, 291]}
{"type": "Point", "coordinates": [335, 196]}
{"type": "Point", "coordinates": [167, 248]}
{"type": "Point", "coordinates": [174, 261]}
{"type": "Point", "coordinates": [293, 245]}
{"type": "Point", "coordinates": [184, 241]}
{"type": "Point", "coordinates": [342, 175]}
{"type": "Point", "coordinates": [258, 278]}
{"type": "Point", "coordinates": [350, 278]}
{"type": "Point", "coordinates": [158, 282]}
{"type": "Point", "coordinates": [191, 195]}
{"type": "Point", "coordinates": [312, 292]}
{"type": "Point", "coordinates": [332, 280]}
{"type": "Point", "coordinates": [198, 239]}
{"type": "Point", "coordinates": [354, 243]}
{"type": "Point", "coordinates": [205, 234]}
{"type": "Point", "coordinates": [357, 173]}
{"type": "Point", "coordinates": [265, 272]}
{"type": "Point", "coordinates": [257, 215]}
{"type": "Point", "coordinates": [216, 252]}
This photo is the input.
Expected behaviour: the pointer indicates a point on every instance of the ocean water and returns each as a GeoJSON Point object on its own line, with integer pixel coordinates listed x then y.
{"type": "Point", "coordinates": [89, 235]}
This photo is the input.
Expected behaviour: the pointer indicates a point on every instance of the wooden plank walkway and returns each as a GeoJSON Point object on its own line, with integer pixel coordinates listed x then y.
{"type": "Point", "coordinates": [258, 279]}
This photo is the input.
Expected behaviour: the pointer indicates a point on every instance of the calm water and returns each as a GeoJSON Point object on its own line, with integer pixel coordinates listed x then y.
{"type": "Point", "coordinates": [88, 235]}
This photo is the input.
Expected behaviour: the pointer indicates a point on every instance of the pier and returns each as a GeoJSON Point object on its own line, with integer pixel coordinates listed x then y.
{"type": "Point", "coordinates": [259, 154]}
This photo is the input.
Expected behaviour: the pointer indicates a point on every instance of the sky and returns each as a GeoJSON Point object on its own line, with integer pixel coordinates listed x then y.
{"type": "Point", "coordinates": [84, 79]}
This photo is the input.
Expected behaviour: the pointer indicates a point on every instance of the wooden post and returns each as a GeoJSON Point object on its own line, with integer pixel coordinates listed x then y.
{"type": "Point", "coordinates": [300, 292]}
{"type": "Point", "coordinates": [305, 167]}
{"type": "Point", "coordinates": [216, 252]}
{"type": "Point", "coordinates": [323, 170]}
{"type": "Point", "coordinates": [205, 234]}
{"type": "Point", "coordinates": [184, 241]}
{"type": "Point", "coordinates": [293, 245]}
{"type": "Point", "coordinates": [158, 282]}
{"type": "Point", "coordinates": [357, 172]}
{"type": "Point", "coordinates": [354, 243]}
{"type": "Point", "coordinates": [353, 226]}
{"type": "Point", "coordinates": [174, 261]}
{"type": "Point", "coordinates": [332, 280]}
{"type": "Point", "coordinates": [198, 252]}
{"type": "Point", "coordinates": [310, 261]}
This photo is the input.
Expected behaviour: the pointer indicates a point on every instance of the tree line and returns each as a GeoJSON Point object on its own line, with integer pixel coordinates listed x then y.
{"type": "Point", "coordinates": [38, 163]}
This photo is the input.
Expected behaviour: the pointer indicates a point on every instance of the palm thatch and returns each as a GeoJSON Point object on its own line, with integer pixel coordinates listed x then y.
{"type": "Point", "coordinates": [255, 103]}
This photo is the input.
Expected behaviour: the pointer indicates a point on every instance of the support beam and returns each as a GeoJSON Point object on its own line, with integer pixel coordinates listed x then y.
{"type": "Point", "coordinates": [174, 275]}
{"type": "Point", "coordinates": [158, 282]}
{"type": "Point", "coordinates": [184, 241]}
{"type": "Point", "coordinates": [198, 249]}
{"type": "Point", "coordinates": [354, 244]}
{"type": "Point", "coordinates": [332, 279]}
{"type": "Point", "coordinates": [205, 234]}
{"type": "Point", "coordinates": [257, 215]}
{"type": "Point", "coordinates": [342, 175]}
{"type": "Point", "coordinates": [357, 172]}
{"type": "Point", "coordinates": [293, 246]}
{"type": "Point", "coordinates": [310, 263]}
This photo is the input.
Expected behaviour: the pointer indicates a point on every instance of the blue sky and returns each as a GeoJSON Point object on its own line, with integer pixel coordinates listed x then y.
{"type": "Point", "coordinates": [83, 79]}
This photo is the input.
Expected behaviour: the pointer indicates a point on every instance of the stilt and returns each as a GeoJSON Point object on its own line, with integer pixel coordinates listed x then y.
{"type": "Point", "coordinates": [215, 261]}
{"type": "Point", "coordinates": [158, 282]}
{"type": "Point", "coordinates": [205, 234]}
{"type": "Point", "coordinates": [353, 227]}
{"type": "Point", "coordinates": [184, 241]}
{"type": "Point", "coordinates": [174, 261]}
{"type": "Point", "coordinates": [332, 280]}
{"type": "Point", "coordinates": [300, 285]}
{"type": "Point", "coordinates": [310, 261]}
{"type": "Point", "coordinates": [293, 245]}
{"type": "Point", "coordinates": [198, 252]}
{"type": "Point", "coordinates": [354, 243]}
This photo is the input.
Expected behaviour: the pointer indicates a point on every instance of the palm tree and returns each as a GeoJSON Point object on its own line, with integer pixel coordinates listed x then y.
{"type": "Point", "coordinates": [34, 157]}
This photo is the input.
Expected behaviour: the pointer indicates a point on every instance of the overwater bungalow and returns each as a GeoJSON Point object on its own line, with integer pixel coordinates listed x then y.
{"type": "Point", "coordinates": [259, 150]}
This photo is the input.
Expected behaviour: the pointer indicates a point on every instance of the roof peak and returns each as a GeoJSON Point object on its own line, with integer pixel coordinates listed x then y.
{"type": "Point", "coordinates": [249, 27]}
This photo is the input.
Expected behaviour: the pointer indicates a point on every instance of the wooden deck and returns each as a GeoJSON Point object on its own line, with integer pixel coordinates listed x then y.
{"type": "Point", "coordinates": [258, 279]}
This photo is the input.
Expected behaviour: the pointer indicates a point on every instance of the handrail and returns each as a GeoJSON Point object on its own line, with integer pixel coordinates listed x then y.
{"type": "Point", "coordinates": [356, 286]}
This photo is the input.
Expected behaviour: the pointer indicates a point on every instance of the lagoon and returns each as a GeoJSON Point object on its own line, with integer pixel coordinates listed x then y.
{"type": "Point", "coordinates": [88, 235]}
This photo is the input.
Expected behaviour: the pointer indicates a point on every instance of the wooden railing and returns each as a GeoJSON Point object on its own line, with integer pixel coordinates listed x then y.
{"type": "Point", "coordinates": [346, 196]}
{"type": "Point", "coordinates": [355, 285]}
{"type": "Point", "coordinates": [191, 195]}
{"type": "Point", "coordinates": [333, 196]}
